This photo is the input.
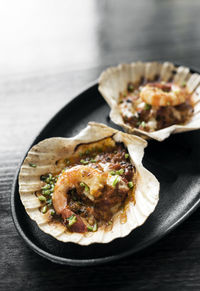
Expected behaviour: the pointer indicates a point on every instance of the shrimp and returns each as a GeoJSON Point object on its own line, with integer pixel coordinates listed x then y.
{"type": "Point", "coordinates": [158, 94]}
{"type": "Point", "coordinates": [91, 181]}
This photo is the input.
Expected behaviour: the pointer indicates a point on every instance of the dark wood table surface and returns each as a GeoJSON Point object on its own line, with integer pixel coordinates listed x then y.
{"type": "Point", "coordinates": [33, 88]}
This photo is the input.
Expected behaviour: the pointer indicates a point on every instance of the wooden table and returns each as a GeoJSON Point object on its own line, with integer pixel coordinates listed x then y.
{"type": "Point", "coordinates": [39, 81]}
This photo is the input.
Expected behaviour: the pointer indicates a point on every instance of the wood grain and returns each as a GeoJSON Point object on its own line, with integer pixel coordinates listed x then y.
{"type": "Point", "coordinates": [125, 31]}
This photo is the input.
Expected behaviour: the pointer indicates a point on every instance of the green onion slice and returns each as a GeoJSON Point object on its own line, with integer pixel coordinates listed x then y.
{"type": "Point", "coordinates": [32, 165]}
{"type": "Point", "coordinates": [126, 156]}
{"type": "Point", "coordinates": [116, 180]}
{"type": "Point", "coordinates": [130, 185]}
{"type": "Point", "coordinates": [42, 198]}
{"type": "Point", "coordinates": [71, 220]}
{"type": "Point", "coordinates": [82, 184]}
{"type": "Point", "coordinates": [84, 162]}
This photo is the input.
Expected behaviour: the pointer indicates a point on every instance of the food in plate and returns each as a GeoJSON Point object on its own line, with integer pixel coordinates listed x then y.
{"type": "Point", "coordinates": [152, 99]}
{"type": "Point", "coordinates": [89, 188]}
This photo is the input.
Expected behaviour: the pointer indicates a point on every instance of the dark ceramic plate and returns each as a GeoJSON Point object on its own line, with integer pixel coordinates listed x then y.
{"type": "Point", "coordinates": [175, 162]}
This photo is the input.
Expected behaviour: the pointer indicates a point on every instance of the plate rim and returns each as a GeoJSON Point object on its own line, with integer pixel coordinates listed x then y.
{"type": "Point", "coordinates": [83, 262]}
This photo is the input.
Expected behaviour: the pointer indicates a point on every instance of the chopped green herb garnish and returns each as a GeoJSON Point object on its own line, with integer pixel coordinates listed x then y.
{"type": "Point", "coordinates": [52, 188]}
{"type": "Point", "coordinates": [67, 162]}
{"type": "Point", "coordinates": [42, 198]}
{"type": "Point", "coordinates": [46, 192]}
{"type": "Point", "coordinates": [124, 94]}
{"type": "Point", "coordinates": [87, 152]}
{"type": "Point", "coordinates": [82, 184]}
{"type": "Point", "coordinates": [71, 220]}
{"type": "Point", "coordinates": [183, 84]}
{"type": "Point", "coordinates": [32, 165]}
{"type": "Point", "coordinates": [130, 87]}
{"type": "Point", "coordinates": [130, 185]}
{"type": "Point", "coordinates": [44, 209]}
{"type": "Point", "coordinates": [52, 212]}
{"type": "Point", "coordinates": [120, 172]}
{"type": "Point", "coordinates": [43, 178]}
{"type": "Point", "coordinates": [84, 162]}
{"type": "Point", "coordinates": [110, 222]}
{"type": "Point", "coordinates": [93, 161]}
{"type": "Point", "coordinates": [126, 156]}
{"type": "Point", "coordinates": [113, 173]}
{"type": "Point", "coordinates": [46, 187]}
{"type": "Point", "coordinates": [147, 106]}
{"type": "Point", "coordinates": [90, 228]}
{"type": "Point", "coordinates": [116, 180]}
{"type": "Point", "coordinates": [49, 202]}
{"type": "Point", "coordinates": [143, 124]}
{"type": "Point", "coordinates": [95, 227]}
{"type": "Point", "coordinates": [115, 152]}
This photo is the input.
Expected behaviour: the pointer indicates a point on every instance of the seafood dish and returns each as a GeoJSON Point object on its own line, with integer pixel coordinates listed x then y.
{"type": "Point", "coordinates": [91, 188]}
{"type": "Point", "coordinates": [152, 100]}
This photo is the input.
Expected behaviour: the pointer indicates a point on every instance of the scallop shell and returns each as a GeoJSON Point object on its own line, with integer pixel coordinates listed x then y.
{"type": "Point", "coordinates": [48, 151]}
{"type": "Point", "coordinates": [114, 80]}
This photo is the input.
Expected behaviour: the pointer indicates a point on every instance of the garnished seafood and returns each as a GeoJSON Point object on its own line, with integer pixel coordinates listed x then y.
{"type": "Point", "coordinates": [152, 99]}
{"type": "Point", "coordinates": [163, 94]}
{"type": "Point", "coordinates": [155, 105]}
{"type": "Point", "coordinates": [94, 188]}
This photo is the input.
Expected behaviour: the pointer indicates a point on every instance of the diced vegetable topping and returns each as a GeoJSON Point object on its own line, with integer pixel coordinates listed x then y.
{"type": "Point", "coordinates": [130, 185]}
{"type": "Point", "coordinates": [147, 106]}
{"type": "Point", "coordinates": [52, 212]}
{"type": "Point", "coordinates": [126, 156]}
{"type": "Point", "coordinates": [130, 87]}
{"type": "Point", "coordinates": [71, 220]}
{"type": "Point", "coordinates": [87, 189]}
{"type": "Point", "coordinates": [92, 228]}
{"type": "Point", "coordinates": [119, 172]}
{"type": "Point", "coordinates": [84, 162]}
{"type": "Point", "coordinates": [44, 209]}
{"type": "Point", "coordinates": [42, 198]}
{"type": "Point", "coordinates": [32, 165]}
{"type": "Point", "coordinates": [116, 180]}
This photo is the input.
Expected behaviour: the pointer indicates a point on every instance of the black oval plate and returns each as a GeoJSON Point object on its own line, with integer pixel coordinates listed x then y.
{"type": "Point", "coordinates": [175, 162]}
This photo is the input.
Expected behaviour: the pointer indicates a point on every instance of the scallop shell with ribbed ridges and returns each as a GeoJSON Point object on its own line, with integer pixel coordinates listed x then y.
{"type": "Point", "coordinates": [114, 80]}
{"type": "Point", "coordinates": [48, 151]}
